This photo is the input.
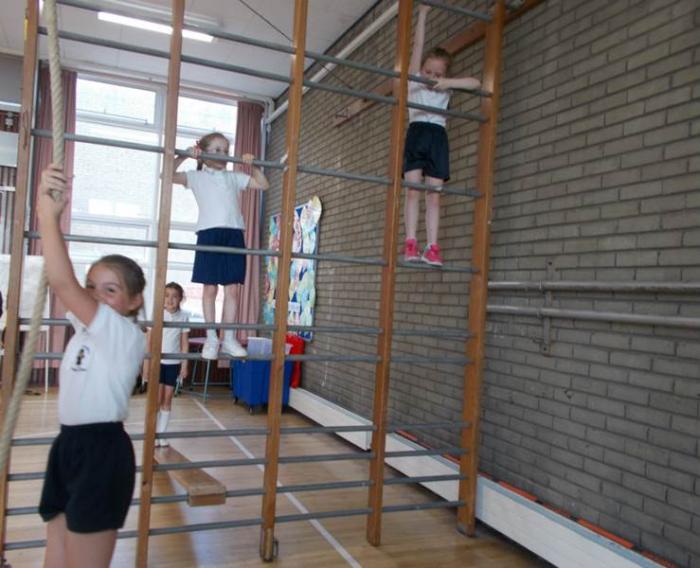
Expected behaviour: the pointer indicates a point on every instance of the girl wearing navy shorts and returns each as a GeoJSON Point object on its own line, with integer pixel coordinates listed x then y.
{"type": "Point", "coordinates": [175, 340]}
{"type": "Point", "coordinates": [426, 151]}
{"type": "Point", "coordinates": [220, 223]}
{"type": "Point", "coordinates": [90, 472]}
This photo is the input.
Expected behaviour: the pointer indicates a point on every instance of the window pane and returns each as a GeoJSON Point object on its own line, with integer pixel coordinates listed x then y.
{"type": "Point", "coordinates": [182, 256]}
{"type": "Point", "coordinates": [89, 252]}
{"type": "Point", "coordinates": [184, 207]}
{"type": "Point", "coordinates": [115, 101]}
{"type": "Point", "coordinates": [207, 116]}
{"type": "Point", "coordinates": [115, 181]}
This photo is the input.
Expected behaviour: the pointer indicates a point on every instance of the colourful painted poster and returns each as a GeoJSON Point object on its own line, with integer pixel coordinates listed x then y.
{"type": "Point", "coordinates": [302, 278]}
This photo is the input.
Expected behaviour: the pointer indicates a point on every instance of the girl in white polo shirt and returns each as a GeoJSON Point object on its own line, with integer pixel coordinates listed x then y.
{"type": "Point", "coordinates": [175, 340]}
{"type": "Point", "coordinates": [426, 152]}
{"type": "Point", "coordinates": [217, 191]}
{"type": "Point", "coordinates": [91, 467]}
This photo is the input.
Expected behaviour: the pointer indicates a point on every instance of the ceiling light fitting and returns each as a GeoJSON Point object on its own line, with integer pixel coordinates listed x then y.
{"type": "Point", "coordinates": [151, 26]}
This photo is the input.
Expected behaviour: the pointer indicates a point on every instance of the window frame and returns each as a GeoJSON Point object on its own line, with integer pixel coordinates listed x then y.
{"type": "Point", "coordinates": [157, 128]}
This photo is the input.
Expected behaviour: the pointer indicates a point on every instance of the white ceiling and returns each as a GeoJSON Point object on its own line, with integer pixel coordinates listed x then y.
{"type": "Point", "coordinates": [328, 20]}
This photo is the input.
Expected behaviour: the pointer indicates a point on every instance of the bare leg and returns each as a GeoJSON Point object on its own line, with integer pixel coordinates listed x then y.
{"type": "Point", "coordinates": [412, 205]}
{"type": "Point", "coordinates": [209, 306]}
{"type": "Point", "coordinates": [230, 302]}
{"type": "Point", "coordinates": [56, 533]}
{"type": "Point", "coordinates": [432, 210]}
{"type": "Point", "coordinates": [93, 550]}
{"type": "Point", "coordinates": [166, 400]}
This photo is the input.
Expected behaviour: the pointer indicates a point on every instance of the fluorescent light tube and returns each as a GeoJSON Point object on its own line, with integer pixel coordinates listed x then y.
{"type": "Point", "coordinates": [151, 26]}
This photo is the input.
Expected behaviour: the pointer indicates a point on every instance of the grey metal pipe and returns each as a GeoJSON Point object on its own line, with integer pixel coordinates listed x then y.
{"type": "Point", "coordinates": [587, 286]}
{"type": "Point", "coordinates": [208, 463]}
{"type": "Point", "coordinates": [381, 180]}
{"type": "Point", "coordinates": [315, 170]}
{"type": "Point", "coordinates": [177, 324]}
{"type": "Point", "coordinates": [220, 249]}
{"type": "Point", "coordinates": [321, 515]}
{"type": "Point", "coordinates": [152, 148]}
{"type": "Point", "coordinates": [341, 258]}
{"type": "Point", "coordinates": [616, 317]}
{"type": "Point", "coordinates": [220, 34]}
{"type": "Point", "coordinates": [423, 506]}
{"type": "Point", "coordinates": [153, 244]}
{"type": "Point", "coordinates": [423, 479]}
{"type": "Point", "coordinates": [331, 486]}
{"type": "Point", "coordinates": [444, 268]}
{"type": "Point", "coordinates": [198, 527]}
{"type": "Point", "coordinates": [447, 112]}
{"type": "Point", "coordinates": [429, 332]}
{"type": "Point", "coordinates": [336, 329]}
{"type": "Point", "coordinates": [466, 192]}
{"type": "Point", "coordinates": [457, 10]}
{"type": "Point", "coordinates": [307, 169]}
{"type": "Point", "coordinates": [445, 425]}
{"type": "Point", "coordinates": [439, 360]}
{"type": "Point", "coordinates": [366, 95]}
{"type": "Point", "coordinates": [326, 457]}
{"type": "Point", "coordinates": [456, 450]}
{"type": "Point", "coordinates": [326, 429]}
{"type": "Point", "coordinates": [433, 332]}
{"type": "Point", "coordinates": [54, 356]}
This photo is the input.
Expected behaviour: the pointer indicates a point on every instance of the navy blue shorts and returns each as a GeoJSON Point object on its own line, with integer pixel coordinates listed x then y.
{"type": "Point", "coordinates": [89, 477]}
{"type": "Point", "coordinates": [427, 149]}
{"type": "Point", "coordinates": [169, 374]}
{"type": "Point", "coordinates": [219, 267]}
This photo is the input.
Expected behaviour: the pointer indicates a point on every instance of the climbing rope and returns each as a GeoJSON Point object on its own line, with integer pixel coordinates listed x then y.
{"type": "Point", "coordinates": [28, 351]}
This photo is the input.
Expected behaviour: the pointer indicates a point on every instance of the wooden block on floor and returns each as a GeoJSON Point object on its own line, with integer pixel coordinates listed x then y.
{"type": "Point", "coordinates": [202, 489]}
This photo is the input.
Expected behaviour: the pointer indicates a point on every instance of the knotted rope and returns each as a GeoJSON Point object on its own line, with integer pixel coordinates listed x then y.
{"type": "Point", "coordinates": [29, 350]}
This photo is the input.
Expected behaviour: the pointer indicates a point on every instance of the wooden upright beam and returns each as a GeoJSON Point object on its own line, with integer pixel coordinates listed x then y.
{"type": "Point", "coordinates": [274, 406]}
{"type": "Point", "coordinates": [386, 303]}
{"type": "Point", "coordinates": [166, 190]}
{"type": "Point", "coordinates": [478, 287]}
{"type": "Point", "coordinates": [14, 285]}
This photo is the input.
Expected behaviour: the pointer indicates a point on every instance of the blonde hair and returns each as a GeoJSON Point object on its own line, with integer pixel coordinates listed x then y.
{"type": "Point", "coordinates": [205, 140]}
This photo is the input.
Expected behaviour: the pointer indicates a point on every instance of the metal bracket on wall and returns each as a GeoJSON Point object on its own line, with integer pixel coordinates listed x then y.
{"type": "Point", "coordinates": [545, 342]}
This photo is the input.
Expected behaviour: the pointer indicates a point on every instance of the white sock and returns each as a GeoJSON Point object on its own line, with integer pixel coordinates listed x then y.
{"type": "Point", "coordinates": [211, 335]}
{"type": "Point", "coordinates": [162, 422]}
{"type": "Point", "coordinates": [228, 335]}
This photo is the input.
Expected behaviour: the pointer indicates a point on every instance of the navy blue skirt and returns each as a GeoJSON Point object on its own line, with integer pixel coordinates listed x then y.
{"type": "Point", "coordinates": [219, 267]}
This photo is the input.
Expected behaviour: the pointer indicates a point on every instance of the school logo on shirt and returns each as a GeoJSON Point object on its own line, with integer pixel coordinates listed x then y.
{"type": "Point", "coordinates": [82, 359]}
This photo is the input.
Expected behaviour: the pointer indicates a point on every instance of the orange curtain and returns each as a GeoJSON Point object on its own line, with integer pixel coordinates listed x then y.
{"type": "Point", "coordinates": [248, 141]}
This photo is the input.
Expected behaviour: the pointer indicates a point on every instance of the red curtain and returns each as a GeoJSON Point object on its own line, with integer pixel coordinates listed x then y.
{"type": "Point", "coordinates": [43, 151]}
{"type": "Point", "coordinates": [248, 139]}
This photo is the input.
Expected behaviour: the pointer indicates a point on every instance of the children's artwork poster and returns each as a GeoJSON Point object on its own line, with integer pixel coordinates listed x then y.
{"type": "Point", "coordinates": [302, 277]}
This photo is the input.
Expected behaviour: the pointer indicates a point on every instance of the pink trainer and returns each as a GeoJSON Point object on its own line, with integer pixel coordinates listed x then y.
{"type": "Point", "coordinates": [410, 251]}
{"type": "Point", "coordinates": [431, 255]}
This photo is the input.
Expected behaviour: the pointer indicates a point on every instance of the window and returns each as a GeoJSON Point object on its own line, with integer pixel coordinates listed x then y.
{"type": "Point", "coordinates": [116, 190]}
{"type": "Point", "coordinates": [115, 102]}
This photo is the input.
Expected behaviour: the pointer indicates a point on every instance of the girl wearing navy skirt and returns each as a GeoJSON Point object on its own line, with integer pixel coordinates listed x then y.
{"type": "Point", "coordinates": [220, 223]}
{"type": "Point", "coordinates": [89, 480]}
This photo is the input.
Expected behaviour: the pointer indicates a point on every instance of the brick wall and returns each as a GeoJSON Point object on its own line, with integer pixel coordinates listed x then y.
{"type": "Point", "coordinates": [597, 178]}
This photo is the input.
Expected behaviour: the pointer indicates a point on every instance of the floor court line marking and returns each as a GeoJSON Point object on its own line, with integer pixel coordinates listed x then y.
{"type": "Point", "coordinates": [340, 549]}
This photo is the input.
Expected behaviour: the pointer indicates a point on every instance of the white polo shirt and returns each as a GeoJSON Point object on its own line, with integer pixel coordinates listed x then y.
{"type": "Point", "coordinates": [99, 368]}
{"type": "Point", "coordinates": [420, 94]}
{"type": "Point", "coordinates": [218, 197]}
{"type": "Point", "coordinates": [171, 335]}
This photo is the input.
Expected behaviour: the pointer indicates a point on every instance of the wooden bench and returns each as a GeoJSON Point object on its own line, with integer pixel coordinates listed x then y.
{"type": "Point", "coordinates": [202, 489]}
